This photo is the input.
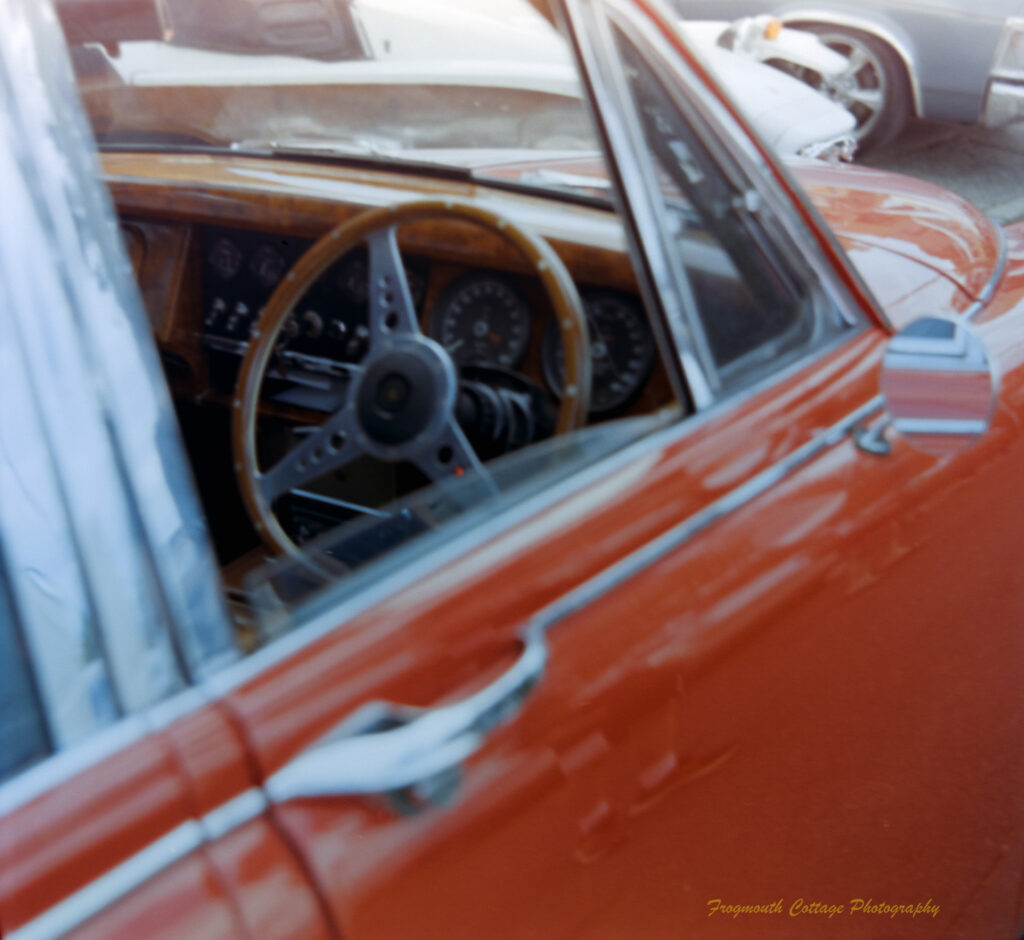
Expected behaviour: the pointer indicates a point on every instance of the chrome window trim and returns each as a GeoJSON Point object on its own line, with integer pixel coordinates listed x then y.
{"type": "Point", "coordinates": [178, 843]}
{"type": "Point", "coordinates": [740, 162]}
{"type": "Point", "coordinates": [989, 290]}
{"type": "Point", "coordinates": [872, 28]}
{"type": "Point", "coordinates": [760, 173]}
{"type": "Point", "coordinates": [118, 882]}
{"type": "Point", "coordinates": [64, 764]}
{"type": "Point", "coordinates": [665, 288]}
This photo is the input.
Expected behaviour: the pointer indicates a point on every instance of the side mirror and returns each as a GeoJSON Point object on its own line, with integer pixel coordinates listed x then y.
{"type": "Point", "coordinates": [938, 385]}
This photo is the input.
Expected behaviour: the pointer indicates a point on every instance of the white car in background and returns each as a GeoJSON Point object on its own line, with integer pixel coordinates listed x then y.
{"type": "Point", "coordinates": [393, 44]}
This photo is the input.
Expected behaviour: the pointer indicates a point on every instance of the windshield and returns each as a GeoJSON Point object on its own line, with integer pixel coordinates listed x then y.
{"type": "Point", "coordinates": [488, 89]}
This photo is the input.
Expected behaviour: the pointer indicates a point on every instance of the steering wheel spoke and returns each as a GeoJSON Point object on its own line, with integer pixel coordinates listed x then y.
{"type": "Point", "coordinates": [450, 462]}
{"type": "Point", "coordinates": [392, 310]}
{"type": "Point", "coordinates": [329, 446]}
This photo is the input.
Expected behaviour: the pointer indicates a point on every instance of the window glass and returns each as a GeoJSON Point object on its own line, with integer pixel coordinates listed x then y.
{"type": "Point", "coordinates": [751, 306]}
{"type": "Point", "coordinates": [23, 734]}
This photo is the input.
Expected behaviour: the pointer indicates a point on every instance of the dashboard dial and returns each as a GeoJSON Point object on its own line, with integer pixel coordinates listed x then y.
{"type": "Point", "coordinates": [225, 259]}
{"type": "Point", "coordinates": [482, 318]}
{"type": "Point", "coordinates": [268, 266]}
{"type": "Point", "coordinates": [621, 350]}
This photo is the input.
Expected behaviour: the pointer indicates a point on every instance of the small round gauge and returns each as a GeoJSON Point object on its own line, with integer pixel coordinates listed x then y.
{"type": "Point", "coordinates": [621, 350]}
{"type": "Point", "coordinates": [353, 280]}
{"type": "Point", "coordinates": [225, 258]}
{"type": "Point", "coordinates": [482, 318]}
{"type": "Point", "coordinates": [268, 266]}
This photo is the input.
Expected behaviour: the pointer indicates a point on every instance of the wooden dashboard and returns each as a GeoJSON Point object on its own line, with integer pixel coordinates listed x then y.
{"type": "Point", "coordinates": [209, 236]}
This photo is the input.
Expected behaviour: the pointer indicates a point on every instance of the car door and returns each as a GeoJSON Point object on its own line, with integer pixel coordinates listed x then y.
{"type": "Point", "coordinates": [749, 662]}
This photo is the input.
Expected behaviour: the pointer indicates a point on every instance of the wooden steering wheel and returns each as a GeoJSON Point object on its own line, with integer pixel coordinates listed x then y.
{"type": "Point", "coordinates": [400, 399]}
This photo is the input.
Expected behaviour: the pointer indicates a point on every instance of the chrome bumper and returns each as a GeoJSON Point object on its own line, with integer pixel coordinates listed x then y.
{"type": "Point", "coordinates": [1004, 103]}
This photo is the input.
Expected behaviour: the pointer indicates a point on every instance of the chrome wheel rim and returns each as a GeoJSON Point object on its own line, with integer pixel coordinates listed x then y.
{"type": "Point", "coordinates": [862, 87]}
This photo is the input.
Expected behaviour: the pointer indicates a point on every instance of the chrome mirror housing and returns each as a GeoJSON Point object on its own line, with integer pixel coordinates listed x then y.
{"type": "Point", "coordinates": [939, 385]}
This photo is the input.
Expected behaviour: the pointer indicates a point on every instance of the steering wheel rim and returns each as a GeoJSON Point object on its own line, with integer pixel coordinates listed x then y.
{"type": "Point", "coordinates": [396, 346]}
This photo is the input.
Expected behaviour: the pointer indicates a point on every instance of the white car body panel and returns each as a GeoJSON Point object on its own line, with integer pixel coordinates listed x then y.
{"type": "Point", "coordinates": [430, 46]}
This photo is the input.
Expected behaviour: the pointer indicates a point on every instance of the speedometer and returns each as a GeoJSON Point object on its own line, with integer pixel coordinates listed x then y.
{"type": "Point", "coordinates": [482, 318]}
{"type": "Point", "coordinates": [621, 350]}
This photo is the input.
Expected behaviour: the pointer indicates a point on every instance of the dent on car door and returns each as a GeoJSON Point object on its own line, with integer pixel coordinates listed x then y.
{"type": "Point", "coordinates": [762, 675]}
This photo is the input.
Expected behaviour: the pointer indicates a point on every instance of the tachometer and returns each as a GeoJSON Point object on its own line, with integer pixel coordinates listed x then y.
{"type": "Point", "coordinates": [621, 350]}
{"type": "Point", "coordinates": [482, 318]}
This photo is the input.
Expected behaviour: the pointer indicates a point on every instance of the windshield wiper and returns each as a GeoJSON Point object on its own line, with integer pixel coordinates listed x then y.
{"type": "Point", "coordinates": [348, 151]}
{"type": "Point", "coordinates": [590, 191]}
{"type": "Point", "coordinates": [314, 152]}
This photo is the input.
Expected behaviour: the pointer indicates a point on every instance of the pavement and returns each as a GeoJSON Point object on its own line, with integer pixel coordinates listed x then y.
{"type": "Point", "coordinates": [984, 165]}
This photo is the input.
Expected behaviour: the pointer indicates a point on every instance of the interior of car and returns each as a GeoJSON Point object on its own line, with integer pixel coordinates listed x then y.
{"type": "Point", "coordinates": [208, 256]}
{"type": "Point", "coordinates": [424, 300]}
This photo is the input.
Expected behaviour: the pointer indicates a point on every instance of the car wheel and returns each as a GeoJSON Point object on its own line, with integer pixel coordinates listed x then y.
{"type": "Point", "coordinates": [874, 88]}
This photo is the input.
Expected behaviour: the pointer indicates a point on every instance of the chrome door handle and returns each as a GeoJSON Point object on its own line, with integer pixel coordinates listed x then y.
{"type": "Point", "coordinates": [411, 755]}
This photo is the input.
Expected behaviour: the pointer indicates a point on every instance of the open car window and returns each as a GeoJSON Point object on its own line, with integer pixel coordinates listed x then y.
{"type": "Point", "coordinates": [391, 294]}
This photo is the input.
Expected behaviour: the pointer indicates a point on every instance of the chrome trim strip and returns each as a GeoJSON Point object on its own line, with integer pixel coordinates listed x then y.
{"type": "Point", "coordinates": [1013, 28]}
{"type": "Point", "coordinates": [951, 426]}
{"type": "Point", "coordinates": [871, 438]}
{"type": "Point", "coordinates": [237, 812]}
{"type": "Point", "coordinates": [865, 25]}
{"type": "Point", "coordinates": [165, 713]}
{"type": "Point", "coordinates": [114, 884]}
{"type": "Point", "coordinates": [989, 290]}
{"type": "Point", "coordinates": [650, 554]}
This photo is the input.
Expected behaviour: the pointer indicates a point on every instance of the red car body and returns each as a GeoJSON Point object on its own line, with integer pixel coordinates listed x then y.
{"type": "Point", "coordinates": [799, 714]}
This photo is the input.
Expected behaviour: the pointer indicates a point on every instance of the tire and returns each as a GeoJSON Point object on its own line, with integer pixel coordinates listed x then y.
{"type": "Point", "coordinates": [875, 90]}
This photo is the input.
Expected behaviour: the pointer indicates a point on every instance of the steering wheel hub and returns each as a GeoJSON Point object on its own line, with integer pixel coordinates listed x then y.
{"type": "Point", "coordinates": [403, 392]}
